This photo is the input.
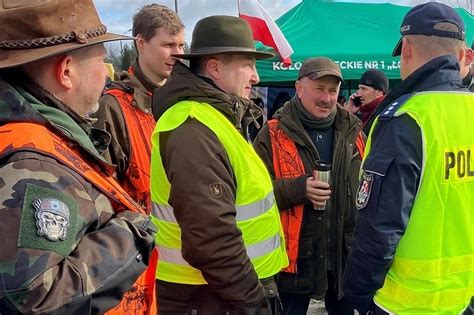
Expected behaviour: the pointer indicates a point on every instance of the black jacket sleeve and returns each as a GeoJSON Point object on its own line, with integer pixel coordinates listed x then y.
{"type": "Point", "coordinates": [387, 190]}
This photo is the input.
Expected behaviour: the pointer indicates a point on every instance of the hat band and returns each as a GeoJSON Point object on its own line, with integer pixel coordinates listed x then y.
{"type": "Point", "coordinates": [329, 71]}
{"type": "Point", "coordinates": [80, 38]}
{"type": "Point", "coordinates": [456, 35]}
{"type": "Point", "coordinates": [205, 50]}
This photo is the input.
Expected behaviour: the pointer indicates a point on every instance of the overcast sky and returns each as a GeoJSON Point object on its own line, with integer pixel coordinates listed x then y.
{"type": "Point", "coordinates": [117, 14]}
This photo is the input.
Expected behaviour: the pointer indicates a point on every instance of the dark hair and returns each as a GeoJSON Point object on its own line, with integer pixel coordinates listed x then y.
{"type": "Point", "coordinates": [153, 16]}
{"type": "Point", "coordinates": [197, 65]}
{"type": "Point", "coordinates": [341, 99]}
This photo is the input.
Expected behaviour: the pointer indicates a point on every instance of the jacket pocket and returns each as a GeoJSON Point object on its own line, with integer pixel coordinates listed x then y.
{"type": "Point", "coordinates": [301, 281]}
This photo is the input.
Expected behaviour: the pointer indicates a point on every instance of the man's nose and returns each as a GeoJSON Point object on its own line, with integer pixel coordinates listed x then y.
{"type": "Point", "coordinates": [325, 96]}
{"type": "Point", "coordinates": [254, 78]}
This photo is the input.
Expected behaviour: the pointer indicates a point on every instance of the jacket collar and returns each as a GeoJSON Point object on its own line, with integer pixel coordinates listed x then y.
{"type": "Point", "coordinates": [185, 85]}
{"type": "Point", "coordinates": [137, 71]}
{"type": "Point", "coordinates": [135, 82]}
{"type": "Point", "coordinates": [344, 123]}
{"type": "Point", "coordinates": [27, 101]}
{"type": "Point", "coordinates": [369, 107]}
{"type": "Point", "coordinates": [441, 73]}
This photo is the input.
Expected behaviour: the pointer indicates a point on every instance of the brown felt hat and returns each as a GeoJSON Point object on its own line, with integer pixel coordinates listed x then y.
{"type": "Point", "coordinates": [315, 68]}
{"type": "Point", "coordinates": [36, 29]}
{"type": "Point", "coordinates": [221, 34]}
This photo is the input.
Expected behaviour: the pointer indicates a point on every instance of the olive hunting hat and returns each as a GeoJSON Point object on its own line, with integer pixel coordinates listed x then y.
{"type": "Point", "coordinates": [315, 68]}
{"type": "Point", "coordinates": [36, 29]}
{"type": "Point", "coordinates": [220, 34]}
{"type": "Point", "coordinates": [422, 19]}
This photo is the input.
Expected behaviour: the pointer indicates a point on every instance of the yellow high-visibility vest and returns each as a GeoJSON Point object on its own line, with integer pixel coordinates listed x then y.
{"type": "Point", "coordinates": [433, 267]}
{"type": "Point", "coordinates": [257, 214]}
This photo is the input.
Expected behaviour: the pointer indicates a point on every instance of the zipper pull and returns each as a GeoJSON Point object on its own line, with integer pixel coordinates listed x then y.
{"type": "Point", "coordinates": [257, 125]}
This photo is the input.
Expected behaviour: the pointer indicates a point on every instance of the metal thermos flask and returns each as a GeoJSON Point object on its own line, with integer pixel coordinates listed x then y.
{"type": "Point", "coordinates": [322, 172]}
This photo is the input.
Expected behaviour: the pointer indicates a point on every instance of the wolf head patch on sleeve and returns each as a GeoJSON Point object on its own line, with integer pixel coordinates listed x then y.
{"type": "Point", "coordinates": [52, 218]}
{"type": "Point", "coordinates": [365, 187]}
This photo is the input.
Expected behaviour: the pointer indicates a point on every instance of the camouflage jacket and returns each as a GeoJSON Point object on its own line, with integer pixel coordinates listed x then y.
{"type": "Point", "coordinates": [80, 258]}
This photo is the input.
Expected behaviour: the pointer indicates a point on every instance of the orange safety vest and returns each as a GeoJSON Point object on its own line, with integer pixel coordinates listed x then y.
{"type": "Point", "coordinates": [287, 163]}
{"type": "Point", "coordinates": [140, 127]}
{"type": "Point", "coordinates": [18, 136]}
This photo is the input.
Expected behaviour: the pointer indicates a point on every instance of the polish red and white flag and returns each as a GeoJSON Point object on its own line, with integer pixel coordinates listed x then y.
{"type": "Point", "coordinates": [265, 29]}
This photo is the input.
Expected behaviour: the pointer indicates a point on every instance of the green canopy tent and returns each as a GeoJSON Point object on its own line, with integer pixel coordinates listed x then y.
{"type": "Point", "coordinates": [358, 36]}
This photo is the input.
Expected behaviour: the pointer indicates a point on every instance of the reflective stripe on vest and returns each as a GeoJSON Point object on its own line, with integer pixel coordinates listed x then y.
{"type": "Point", "coordinates": [245, 212]}
{"type": "Point", "coordinates": [140, 127]}
{"type": "Point", "coordinates": [433, 267]}
{"type": "Point", "coordinates": [171, 255]}
{"type": "Point", "coordinates": [38, 138]}
{"type": "Point", "coordinates": [256, 211]}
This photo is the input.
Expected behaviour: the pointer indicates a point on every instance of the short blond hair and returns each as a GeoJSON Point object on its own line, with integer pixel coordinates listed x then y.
{"type": "Point", "coordinates": [437, 45]}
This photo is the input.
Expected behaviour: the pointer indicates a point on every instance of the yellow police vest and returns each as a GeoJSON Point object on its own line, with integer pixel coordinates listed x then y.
{"type": "Point", "coordinates": [433, 268]}
{"type": "Point", "coordinates": [257, 214]}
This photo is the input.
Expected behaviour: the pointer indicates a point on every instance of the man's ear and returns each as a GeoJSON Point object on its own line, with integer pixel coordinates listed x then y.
{"type": "Point", "coordinates": [213, 69]}
{"type": "Point", "coordinates": [298, 87]}
{"type": "Point", "coordinates": [64, 71]}
{"type": "Point", "coordinates": [140, 43]}
{"type": "Point", "coordinates": [407, 50]}
{"type": "Point", "coordinates": [468, 56]}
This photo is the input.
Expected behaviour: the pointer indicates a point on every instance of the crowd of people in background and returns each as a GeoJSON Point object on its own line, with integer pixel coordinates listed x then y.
{"type": "Point", "coordinates": [168, 192]}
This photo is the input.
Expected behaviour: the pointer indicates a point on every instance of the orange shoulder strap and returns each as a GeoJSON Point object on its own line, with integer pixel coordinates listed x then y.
{"type": "Point", "coordinates": [286, 159]}
{"type": "Point", "coordinates": [29, 136]}
{"type": "Point", "coordinates": [140, 127]}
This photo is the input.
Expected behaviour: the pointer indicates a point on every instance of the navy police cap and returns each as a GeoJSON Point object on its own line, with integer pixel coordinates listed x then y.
{"type": "Point", "coordinates": [421, 20]}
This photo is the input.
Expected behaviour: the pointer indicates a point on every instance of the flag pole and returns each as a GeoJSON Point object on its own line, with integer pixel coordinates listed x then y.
{"type": "Point", "coordinates": [238, 7]}
{"type": "Point", "coordinates": [176, 6]}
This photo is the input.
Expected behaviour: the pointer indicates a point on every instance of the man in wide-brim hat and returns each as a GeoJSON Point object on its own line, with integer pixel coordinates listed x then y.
{"type": "Point", "coordinates": [220, 239]}
{"type": "Point", "coordinates": [73, 242]}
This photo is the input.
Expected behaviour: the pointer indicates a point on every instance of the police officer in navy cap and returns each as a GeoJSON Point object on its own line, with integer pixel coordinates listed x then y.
{"type": "Point", "coordinates": [414, 242]}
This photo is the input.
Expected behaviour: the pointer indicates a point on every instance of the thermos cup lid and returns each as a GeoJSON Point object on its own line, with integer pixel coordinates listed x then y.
{"type": "Point", "coordinates": [322, 166]}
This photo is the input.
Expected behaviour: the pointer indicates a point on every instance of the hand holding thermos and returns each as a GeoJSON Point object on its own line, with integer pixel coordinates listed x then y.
{"type": "Point", "coordinates": [317, 186]}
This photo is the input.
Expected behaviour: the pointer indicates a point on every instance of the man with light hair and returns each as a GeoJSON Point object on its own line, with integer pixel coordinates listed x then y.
{"type": "Point", "coordinates": [414, 241]}
{"type": "Point", "coordinates": [125, 110]}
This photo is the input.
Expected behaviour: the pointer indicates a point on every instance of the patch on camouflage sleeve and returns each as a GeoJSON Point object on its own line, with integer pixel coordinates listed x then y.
{"type": "Point", "coordinates": [49, 220]}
